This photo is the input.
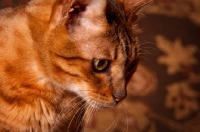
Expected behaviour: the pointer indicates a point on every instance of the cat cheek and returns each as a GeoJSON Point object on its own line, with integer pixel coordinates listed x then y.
{"type": "Point", "coordinates": [78, 88]}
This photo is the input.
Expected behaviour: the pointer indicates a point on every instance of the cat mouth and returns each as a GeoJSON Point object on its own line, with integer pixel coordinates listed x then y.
{"type": "Point", "coordinates": [101, 104]}
{"type": "Point", "coordinates": [102, 101]}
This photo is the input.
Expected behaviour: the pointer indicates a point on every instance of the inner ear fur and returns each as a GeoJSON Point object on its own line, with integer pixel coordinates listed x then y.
{"type": "Point", "coordinates": [59, 9]}
{"type": "Point", "coordinates": [63, 10]}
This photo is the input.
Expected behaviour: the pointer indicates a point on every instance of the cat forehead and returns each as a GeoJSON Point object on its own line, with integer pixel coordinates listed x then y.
{"type": "Point", "coordinates": [104, 34]}
{"type": "Point", "coordinates": [101, 15]}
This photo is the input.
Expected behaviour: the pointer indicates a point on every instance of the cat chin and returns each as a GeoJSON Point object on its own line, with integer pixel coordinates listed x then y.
{"type": "Point", "coordinates": [98, 103]}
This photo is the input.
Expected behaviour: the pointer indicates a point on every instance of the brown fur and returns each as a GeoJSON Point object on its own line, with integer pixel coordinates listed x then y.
{"type": "Point", "coordinates": [47, 48]}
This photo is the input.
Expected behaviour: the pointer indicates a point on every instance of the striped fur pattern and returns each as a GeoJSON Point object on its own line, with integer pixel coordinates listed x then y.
{"type": "Point", "coordinates": [49, 54]}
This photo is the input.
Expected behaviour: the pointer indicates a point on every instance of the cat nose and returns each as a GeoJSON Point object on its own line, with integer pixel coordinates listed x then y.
{"type": "Point", "coordinates": [118, 98]}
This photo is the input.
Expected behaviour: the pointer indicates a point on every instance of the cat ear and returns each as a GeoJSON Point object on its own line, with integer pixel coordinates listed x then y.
{"type": "Point", "coordinates": [132, 7]}
{"type": "Point", "coordinates": [65, 10]}
{"type": "Point", "coordinates": [58, 9]}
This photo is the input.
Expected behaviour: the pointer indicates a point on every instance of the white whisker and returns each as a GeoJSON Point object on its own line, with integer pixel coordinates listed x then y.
{"type": "Point", "coordinates": [144, 43]}
{"type": "Point", "coordinates": [61, 116]}
{"type": "Point", "coordinates": [75, 114]}
{"type": "Point", "coordinates": [84, 122]}
{"type": "Point", "coordinates": [113, 124]}
{"type": "Point", "coordinates": [126, 127]}
{"type": "Point", "coordinates": [145, 59]}
{"type": "Point", "coordinates": [81, 111]}
{"type": "Point", "coordinates": [89, 114]}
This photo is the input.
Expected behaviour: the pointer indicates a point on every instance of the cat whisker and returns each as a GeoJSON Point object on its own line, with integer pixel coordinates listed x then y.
{"type": "Point", "coordinates": [126, 125]}
{"type": "Point", "coordinates": [150, 52]}
{"type": "Point", "coordinates": [69, 111]}
{"type": "Point", "coordinates": [81, 111]}
{"type": "Point", "coordinates": [146, 51]}
{"type": "Point", "coordinates": [85, 119]}
{"type": "Point", "coordinates": [150, 48]}
{"type": "Point", "coordinates": [141, 46]}
{"type": "Point", "coordinates": [146, 54]}
{"type": "Point", "coordinates": [86, 107]}
{"type": "Point", "coordinates": [75, 114]}
{"type": "Point", "coordinates": [89, 114]}
{"type": "Point", "coordinates": [147, 119]}
{"type": "Point", "coordinates": [57, 120]}
{"type": "Point", "coordinates": [94, 109]}
{"type": "Point", "coordinates": [76, 105]}
{"type": "Point", "coordinates": [153, 48]}
{"type": "Point", "coordinates": [79, 117]}
{"type": "Point", "coordinates": [143, 43]}
{"type": "Point", "coordinates": [113, 124]}
{"type": "Point", "coordinates": [141, 13]}
{"type": "Point", "coordinates": [145, 58]}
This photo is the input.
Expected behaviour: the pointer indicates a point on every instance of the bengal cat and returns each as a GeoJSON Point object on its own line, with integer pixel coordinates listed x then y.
{"type": "Point", "coordinates": [60, 57]}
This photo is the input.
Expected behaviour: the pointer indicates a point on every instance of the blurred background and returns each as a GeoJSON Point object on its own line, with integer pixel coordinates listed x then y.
{"type": "Point", "coordinates": [164, 93]}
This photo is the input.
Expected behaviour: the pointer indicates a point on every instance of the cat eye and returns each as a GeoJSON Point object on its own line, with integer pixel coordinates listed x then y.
{"type": "Point", "coordinates": [100, 65]}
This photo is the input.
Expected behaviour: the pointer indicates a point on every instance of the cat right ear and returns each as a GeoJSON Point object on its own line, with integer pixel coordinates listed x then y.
{"type": "Point", "coordinates": [132, 7]}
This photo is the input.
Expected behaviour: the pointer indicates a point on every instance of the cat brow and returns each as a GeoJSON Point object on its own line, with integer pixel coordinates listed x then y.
{"type": "Point", "coordinates": [73, 58]}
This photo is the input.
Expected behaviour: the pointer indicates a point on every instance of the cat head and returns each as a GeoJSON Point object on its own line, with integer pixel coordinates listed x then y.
{"type": "Point", "coordinates": [94, 48]}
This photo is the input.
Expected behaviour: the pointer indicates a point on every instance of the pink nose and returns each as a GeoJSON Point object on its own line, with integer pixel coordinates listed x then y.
{"type": "Point", "coordinates": [119, 97]}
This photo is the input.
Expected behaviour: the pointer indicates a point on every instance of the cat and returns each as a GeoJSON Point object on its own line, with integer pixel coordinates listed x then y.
{"type": "Point", "coordinates": [60, 57]}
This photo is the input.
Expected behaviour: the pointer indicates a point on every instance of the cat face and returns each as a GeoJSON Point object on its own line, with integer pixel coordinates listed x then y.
{"type": "Point", "coordinates": [95, 51]}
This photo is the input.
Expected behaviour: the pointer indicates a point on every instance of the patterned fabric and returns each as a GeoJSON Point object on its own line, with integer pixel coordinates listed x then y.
{"type": "Point", "coordinates": [164, 93]}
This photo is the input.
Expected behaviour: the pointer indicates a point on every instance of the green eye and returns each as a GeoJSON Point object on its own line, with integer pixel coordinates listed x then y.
{"type": "Point", "coordinates": [100, 65]}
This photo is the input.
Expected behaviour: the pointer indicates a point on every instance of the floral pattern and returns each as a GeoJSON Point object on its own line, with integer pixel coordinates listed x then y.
{"type": "Point", "coordinates": [183, 99]}
{"type": "Point", "coordinates": [177, 56]}
{"type": "Point", "coordinates": [178, 8]}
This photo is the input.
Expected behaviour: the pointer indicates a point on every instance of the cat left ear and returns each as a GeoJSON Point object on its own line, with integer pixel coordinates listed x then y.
{"type": "Point", "coordinates": [66, 10]}
{"type": "Point", "coordinates": [132, 7]}
{"type": "Point", "coordinates": [58, 10]}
